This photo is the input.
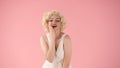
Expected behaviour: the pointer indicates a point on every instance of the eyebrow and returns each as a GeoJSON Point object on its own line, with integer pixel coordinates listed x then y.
{"type": "Point", "coordinates": [56, 18]}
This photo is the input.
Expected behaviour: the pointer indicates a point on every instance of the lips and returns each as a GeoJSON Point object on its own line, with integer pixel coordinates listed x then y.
{"type": "Point", "coordinates": [54, 26]}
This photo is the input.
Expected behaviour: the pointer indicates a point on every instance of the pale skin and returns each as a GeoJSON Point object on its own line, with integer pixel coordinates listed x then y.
{"type": "Point", "coordinates": [55, 35]}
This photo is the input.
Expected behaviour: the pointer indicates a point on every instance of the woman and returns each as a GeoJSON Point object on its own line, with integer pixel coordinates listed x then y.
{"type": "Point", "coordinates": [55, 44]}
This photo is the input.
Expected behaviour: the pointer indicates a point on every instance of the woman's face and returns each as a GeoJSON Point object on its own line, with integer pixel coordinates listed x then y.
{"type": "Point", "coordinates": [55, 22]}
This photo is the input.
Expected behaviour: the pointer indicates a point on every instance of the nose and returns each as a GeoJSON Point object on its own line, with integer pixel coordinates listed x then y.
{"type": "Point", "coordinates": [53, 22]}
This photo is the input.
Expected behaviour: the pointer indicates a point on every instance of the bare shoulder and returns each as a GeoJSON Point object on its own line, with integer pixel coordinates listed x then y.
{"type": "Point", "coordinates": [43, 38]}
{"type": "Point", "coordinates": [67, 40]}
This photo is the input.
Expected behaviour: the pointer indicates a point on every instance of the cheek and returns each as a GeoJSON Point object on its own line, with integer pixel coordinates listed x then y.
{"type": "Point", "coordinates": [49, 23]}
{"type": "Point", "coordinates": [59, 25]}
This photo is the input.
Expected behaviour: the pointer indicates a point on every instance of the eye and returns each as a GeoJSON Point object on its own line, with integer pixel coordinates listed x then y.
{"type": "Point", "coordinates": [57, 20]}
{"type": "Point", "coordinates": [50, 20]}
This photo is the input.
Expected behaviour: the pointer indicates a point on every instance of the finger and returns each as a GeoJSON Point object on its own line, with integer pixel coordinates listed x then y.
{"type": "Point", "coordinates": [51, 28]}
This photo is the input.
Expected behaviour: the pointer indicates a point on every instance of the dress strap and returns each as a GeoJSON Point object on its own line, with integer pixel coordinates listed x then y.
{"type": "Point", "coordinates": [62, 39]}
{"type": "Point", "coordinates": [64, 36]}
{"type": "Point", "coordinates": [60, 49]}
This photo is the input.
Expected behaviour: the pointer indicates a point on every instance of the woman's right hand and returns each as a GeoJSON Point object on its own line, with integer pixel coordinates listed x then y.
{"type": "Point", "coordinates": [52, 33]}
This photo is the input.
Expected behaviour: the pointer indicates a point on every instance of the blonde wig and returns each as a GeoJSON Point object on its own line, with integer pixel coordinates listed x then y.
{"type": "Point", "coordinates": [46, 17]}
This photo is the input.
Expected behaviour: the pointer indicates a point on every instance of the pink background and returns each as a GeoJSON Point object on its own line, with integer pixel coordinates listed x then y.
{"type": "Point", "coordinates": [94, 27]}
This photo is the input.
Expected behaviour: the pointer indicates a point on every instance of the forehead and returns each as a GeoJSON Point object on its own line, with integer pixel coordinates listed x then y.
{"type": "Point", "coordinates": [54, 17]}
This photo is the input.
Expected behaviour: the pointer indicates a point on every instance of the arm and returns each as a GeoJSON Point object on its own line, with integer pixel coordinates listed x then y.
{"type": "Point", "coordinates": [68, 52]}
{"type": "Point", "coordinates": [49, 52]}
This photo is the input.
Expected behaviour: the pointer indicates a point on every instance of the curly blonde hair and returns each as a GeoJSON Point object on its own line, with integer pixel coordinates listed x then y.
{"type": "Point", "coordinates": [46, 17]}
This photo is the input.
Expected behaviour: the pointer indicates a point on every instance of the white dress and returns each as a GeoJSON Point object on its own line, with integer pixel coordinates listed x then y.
{"type": "Point", "coordinates": [58, 61]}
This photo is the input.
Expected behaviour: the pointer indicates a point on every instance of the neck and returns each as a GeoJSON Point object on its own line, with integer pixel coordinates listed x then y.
{"type": "Point", "coordinates": [58, 34]}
